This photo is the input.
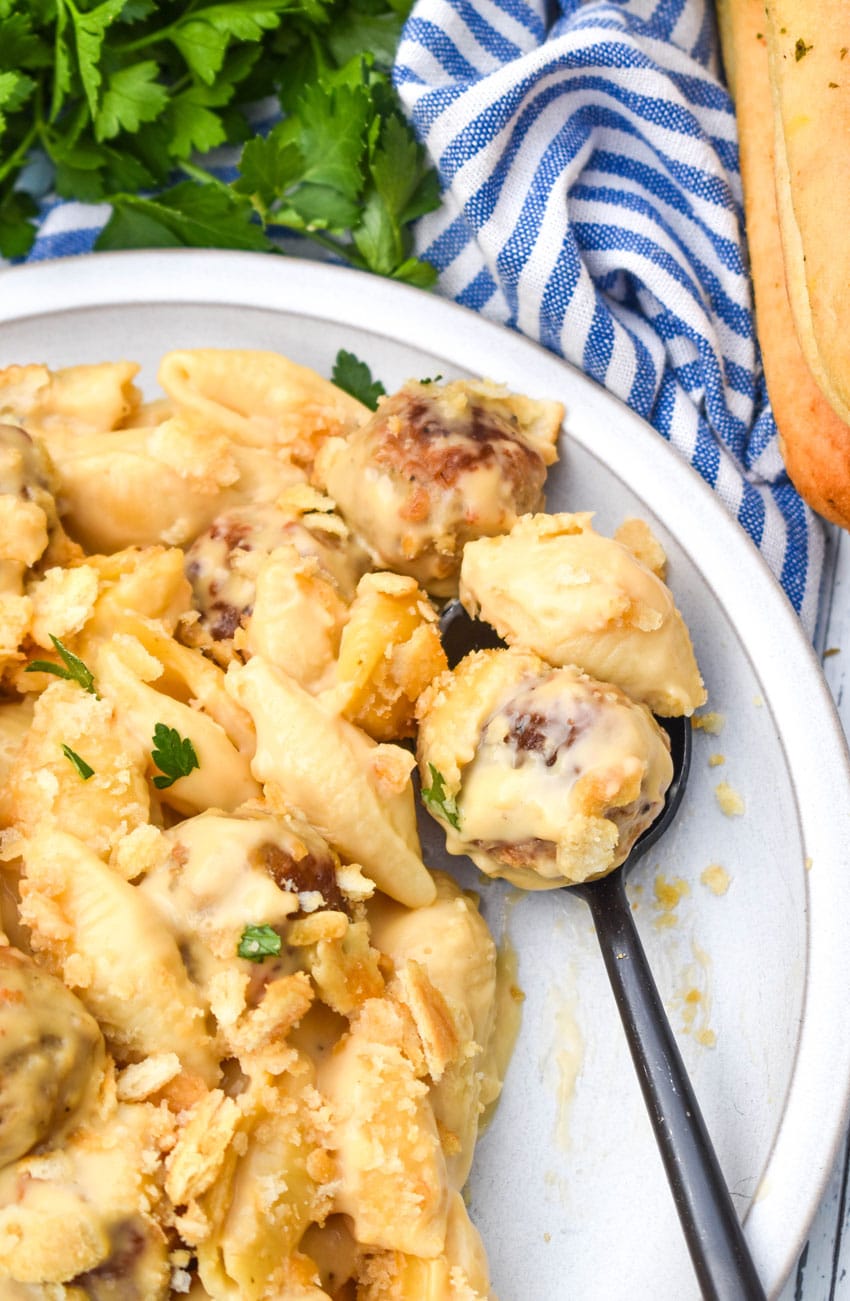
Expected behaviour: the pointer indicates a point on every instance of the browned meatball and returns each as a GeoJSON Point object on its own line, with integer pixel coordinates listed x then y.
{"type": "Point", "coordinates": [437, 466]}
{"type": "Point", "coordinates": [222, 564]}
{"type": "Point", "coordinates": [547, 776]}
{"type": "Point", "coordinates": [51, 1056]}
{"type": "Point", "coordinates": [303, 864]}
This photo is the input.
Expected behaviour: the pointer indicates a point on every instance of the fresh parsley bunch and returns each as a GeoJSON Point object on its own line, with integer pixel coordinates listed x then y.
{"type": "Point", "coordinates": [121, 97]}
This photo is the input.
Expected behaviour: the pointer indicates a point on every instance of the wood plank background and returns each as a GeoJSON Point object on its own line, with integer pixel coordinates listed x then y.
{"type": "Point", "coordinates": [823, 1269]}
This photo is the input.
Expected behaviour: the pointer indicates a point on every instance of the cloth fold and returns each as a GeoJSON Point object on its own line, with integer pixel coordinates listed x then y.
{"type": "Point", "coordinates": [592, 200]}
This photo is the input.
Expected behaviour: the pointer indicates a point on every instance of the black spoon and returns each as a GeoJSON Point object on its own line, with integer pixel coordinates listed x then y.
{"type": "Point", "coordinates": [719, 1251]}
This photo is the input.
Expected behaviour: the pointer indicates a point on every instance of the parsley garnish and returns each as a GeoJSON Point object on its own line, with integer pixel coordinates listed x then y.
{"type": "Point", "coordinates": [436, 797]}
{"type": "Point", "coordinates": [353, 376]}
{"type": "Point", "coordinates": [801, 49]}
{"type": "Point", "coordinates": [118, 97]}
{"type": "Point", "coordinates": [432, 379]}
{"type": "Point", "coordinates": [258, 943]}
{"type": "Point", "coordinates": [173, 754]}
{"type": "Point", "coordinates": [81, 766]}
{"type": "Point", "coordinates": [72, 667]}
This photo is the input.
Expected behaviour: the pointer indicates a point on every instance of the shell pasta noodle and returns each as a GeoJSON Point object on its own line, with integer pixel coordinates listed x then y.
{"type": "Point", "coordinates": [247, 1035]}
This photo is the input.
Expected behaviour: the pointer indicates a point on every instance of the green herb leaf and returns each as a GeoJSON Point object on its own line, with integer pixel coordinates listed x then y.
{"type": "Point", "coordinates": [396, 166]}
{"type": "Point", "coordinates": [354, 31]}
{"type": "Point", "coordinates": [318, 207]}
{"type": "Point", "coordinates": [116, 92]}
{"type": "Point", "coordinates": [62, 62]}
{"type": "Point", "coordinates": [204, 37]}
{"type": "Point", "coordinates": [133, 96]}
{"type": "Point", "coordinates": [439, 801]}
{"type": "Point", "coordinates": [258, 943]}
{"type": "Point", "coordinates": [353, 376]}
{"type": "Point", "coordinates": [90, 32]}
{"type": "Point", "coordinates": [173, 754]}
{"type": "Point", "coordinates": [17, 231]}
{"type": "Point", "coordinates": [333, 136]}
{"type": "Point", "coordinates": [193, 124]}
{"type": "Point", "coordinates": [414, 272]}
{"type": "Point", "coordinates": [72, 667]}
{"type": "Point", "coordinates": [801, 49]}
{"type": "Point", "coordinates": [81, 766]}
{"type": "Point", "coordinates": [268, 168]}
{"type": "Point", "coordinates": [188, 215]}
{"type": "Point", "coordinates": [20, 46]}
{"type": "Point", "coordinates": [431, 379]}
{"type": "Point", "coordinates": [15, 90]}
{"type": "Point", "coordinates": [135, 10]}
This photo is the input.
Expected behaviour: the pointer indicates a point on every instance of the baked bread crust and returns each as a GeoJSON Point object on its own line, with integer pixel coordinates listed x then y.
{"type": "Point", "coordinates": [814, 439]}
{"type": "Point", "coordinates": [809, 78]}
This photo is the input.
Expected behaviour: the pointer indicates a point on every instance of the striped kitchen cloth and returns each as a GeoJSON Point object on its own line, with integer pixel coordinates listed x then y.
{"type": "Point", "coordinates": [592, 200]}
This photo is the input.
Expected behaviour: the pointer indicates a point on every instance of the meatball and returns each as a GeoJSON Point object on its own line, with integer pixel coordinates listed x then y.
{"type": "Point", "coordinates": [51, 1056]}
{"type": "Point", "coordinates": [557, 587]}
{"type": "Point", "coordinates": [437, 466]}
{"type": "Point", "coordinates": [544, 776]}
{"type": "Point", "coordinates": [225, 869]}
{"type": "Point", "coordinates": [230, 871]}
{"type": "Point", "coordinates": [223, 563]}
{"type": "Point", "coordinates": [229, 874]}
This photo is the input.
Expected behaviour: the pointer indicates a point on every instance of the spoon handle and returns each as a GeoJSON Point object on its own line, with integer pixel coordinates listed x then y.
{"type": "Point", "coordinates": [714, 1236]}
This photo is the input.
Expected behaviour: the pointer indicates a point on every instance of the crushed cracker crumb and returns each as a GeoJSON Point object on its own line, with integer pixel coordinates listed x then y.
{"type": "Point", "coordinates": [708, 722]}
{"type": "Point", "coordinates": [716, 879]}
{"type": "Point", "coordinates": [730, 801]}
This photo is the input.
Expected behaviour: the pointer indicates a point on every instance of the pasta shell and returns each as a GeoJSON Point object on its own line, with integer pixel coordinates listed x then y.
{"type": "Point", "coordinates": [260, 398]}
{"type": "Point", "coordinates": [311, 757]}
{"type": "Point", "coordinates": [222, 780]}
{"type": "Point", "coordinates": [106, 941]}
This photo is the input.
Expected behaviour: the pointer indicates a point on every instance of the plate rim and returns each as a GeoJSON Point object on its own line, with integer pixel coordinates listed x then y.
{"type": "Point", "coordinates": [816, 757]}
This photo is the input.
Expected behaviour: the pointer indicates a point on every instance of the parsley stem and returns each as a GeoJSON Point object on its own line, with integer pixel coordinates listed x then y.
{"type": "Point", "coordinates": [201, 174]}
{"type": "Point", "coordinates": [60, 61]}
{"type": "Point", "coordinates": [20, 153]}
{"type": "Point", "coordinates": [316, 48]}
{"type": "Point", "coordinates": [346, 252]}
{"type": "Point", "coordinates": [152, 38]}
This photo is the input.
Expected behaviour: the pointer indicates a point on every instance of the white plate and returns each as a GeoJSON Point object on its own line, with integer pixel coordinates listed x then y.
{"type": "Point", "coordinates": [568, 1189]}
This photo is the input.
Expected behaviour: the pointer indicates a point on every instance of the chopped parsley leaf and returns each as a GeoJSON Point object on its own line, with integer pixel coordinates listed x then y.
{"type": "Point", "coordinates": [72, 667]}
{"type": "Point", "coordinates": [438, 799]}
{"type": "Point", "coordinates": [258, 943]}
{"type": "Point", "coordinates": [173, 754]}
{"type": "Point", "coordinates": [84, 769]}
{"type": "Point", "coordinates": [353, 376]}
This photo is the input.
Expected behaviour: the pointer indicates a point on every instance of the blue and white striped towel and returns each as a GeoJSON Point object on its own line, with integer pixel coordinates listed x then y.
{"type": "Point", "coordinates": [592, 200]}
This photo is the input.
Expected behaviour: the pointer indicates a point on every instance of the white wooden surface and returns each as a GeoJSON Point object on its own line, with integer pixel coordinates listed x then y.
{"type": "Point", "coordinates": [823, 1269]}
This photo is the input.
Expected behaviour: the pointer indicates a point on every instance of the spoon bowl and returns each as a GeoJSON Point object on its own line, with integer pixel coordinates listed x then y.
{"type": "Point", "coordinates": [720, 1255]}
